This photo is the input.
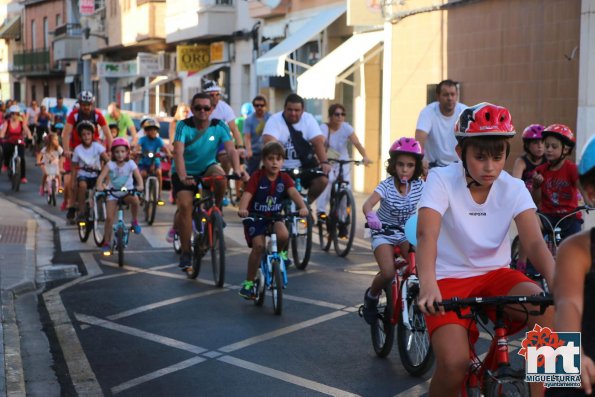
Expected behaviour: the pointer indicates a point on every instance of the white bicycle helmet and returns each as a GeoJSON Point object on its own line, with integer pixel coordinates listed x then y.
{"type": "Point", "coordinates": [14, 109]}
{"type": "Point", "coordinates": [86, 96]}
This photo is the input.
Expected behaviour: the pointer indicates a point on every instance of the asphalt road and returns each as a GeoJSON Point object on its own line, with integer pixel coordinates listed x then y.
{"type": "Point", "coordinates": [147, 330]}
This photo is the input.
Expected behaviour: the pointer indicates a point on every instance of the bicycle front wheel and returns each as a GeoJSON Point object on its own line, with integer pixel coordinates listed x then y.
{"type": "Point", "coordinates": [99, 211]}
{"type": "Point", "coordinates": [16, 175]}
{"type": "Point", "coordinates": [151, 204]}
{"type": "Point", "coordinates": [383, 330]}
{"type": "Point", "coordinates": [344, 222]}
{"type": "Point", "coordinates": [84, 229]}
{"type": "Point", "coordinates": [52, 193]}
{"type": "Point", "coordinates": [301, 241]}
{"type": "Point", "coordinates": [120, 245]}
{"type": "Point", "coordinates": [277, 288]}
{"type": "Point", "coordinates": [413, 338]}
{"type": "Point", "coordinates": [218, 249]}
{"type": "Point", "coordinates": [325, 238]}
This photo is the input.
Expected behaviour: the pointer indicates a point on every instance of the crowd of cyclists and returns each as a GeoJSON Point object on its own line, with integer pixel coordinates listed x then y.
{"type": "Point", "coordinates": [465, 204]}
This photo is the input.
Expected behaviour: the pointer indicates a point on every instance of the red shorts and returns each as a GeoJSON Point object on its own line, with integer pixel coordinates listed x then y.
{"type": "Point", "coordinates": [66, 164]}
{"type": "Point", "coordinates": [495, 283]}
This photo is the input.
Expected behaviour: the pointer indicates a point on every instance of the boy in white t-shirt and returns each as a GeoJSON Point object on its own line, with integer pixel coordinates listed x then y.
{"type": "Point", "coordinates": [86, 163]}
{"type": "Point", "coordinates": [463, 246]}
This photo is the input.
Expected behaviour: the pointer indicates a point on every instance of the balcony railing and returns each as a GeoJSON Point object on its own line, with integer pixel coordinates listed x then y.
{"type": "Point", "coordinates": [70, 29]}
{"type": "Point", "coordinates": [37, 61]}
{"type": "Point", "coordinates": [68, 42]}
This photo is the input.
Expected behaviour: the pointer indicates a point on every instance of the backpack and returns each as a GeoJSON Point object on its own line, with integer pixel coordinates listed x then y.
{"type": "Point", "coordinates": [302, 147]}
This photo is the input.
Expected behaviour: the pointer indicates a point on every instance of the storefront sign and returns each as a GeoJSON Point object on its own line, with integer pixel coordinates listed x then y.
{"type": "Point", "coordinates": [148, 64]}
{"type": "Point", "coordinates": [87, 7]}
{"type": "Point", "coordinates": [117, 69]}
{"type": "Point", "coordinates": [192, 58]}
{"type": "Point", "coordinates": [219, 52]}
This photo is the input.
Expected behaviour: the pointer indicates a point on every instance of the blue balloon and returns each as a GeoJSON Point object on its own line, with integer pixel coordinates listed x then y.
{"type": "Point", "coordinates": [411, 230]}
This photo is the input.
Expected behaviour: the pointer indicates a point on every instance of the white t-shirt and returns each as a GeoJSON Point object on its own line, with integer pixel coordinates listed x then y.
{"type": "Point", "coordinates": [440, 143]}
{"type": "Point", "coordinates": [338, 140]}
{"type": "Point", "coordinates": [473, 238]}
{"type": "Point", "coordinates": [88, 157]}
{"type": "Point", "coordinates": [396, 208]}
{"type": "Point", "coordinates": [223, 112]}
{"type": "Point", "coordinates": [277, 128]}
{"type": "Point", "coordinates": [121, 176]}
{"type": "Point", "coordinates": [51, 160]}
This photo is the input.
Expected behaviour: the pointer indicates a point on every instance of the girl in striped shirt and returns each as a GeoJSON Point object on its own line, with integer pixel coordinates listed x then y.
{"type": "Point", "coordinates": [398, 196]}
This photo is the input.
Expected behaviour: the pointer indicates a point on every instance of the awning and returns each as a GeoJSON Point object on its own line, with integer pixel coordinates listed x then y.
{"type": "Point", "coordinates": [139, 93]}
{"type": "Point", "coordinates": [273, 62]}
{"type": "Point", "coordinates": [319, 81]}
{"type": "Point", "coordinates": [11, 29]}
{"type": "Point", "coordinates": [195, 78]}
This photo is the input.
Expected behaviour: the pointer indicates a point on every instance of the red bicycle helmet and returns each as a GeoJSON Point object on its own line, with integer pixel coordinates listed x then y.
{"type": "Point", "coordinates": [406, 145]}
{"type": "Point", "coordinates": [120, 142]}
{"type": "Point", "coordinates": [533, 132]}
{"type": "Point", "coordinates": [484, 119]}
{"type": "Point", "coordinates": [562, 132]}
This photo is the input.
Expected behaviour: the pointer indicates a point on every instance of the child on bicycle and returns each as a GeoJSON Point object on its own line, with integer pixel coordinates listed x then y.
{"type": "Point", "coordinates": [398, 196]}
{"type": "Point", "coordinates": [49, 160]}
{"type": "Point", "coordinates": [555, 183]}
{"type": "Point", "coordinates": [152, 143]}
{"type": "Point", "coordinates": [265, 192]}
{"type": "Point", "coordinates": [574, 292]}
{"type": "Point", "coordinates": [524, 168]}
{"type": "Point", "coordinates": [86, 163]}
{"type": "Point", "coordinates": [122, 173]}
{"type": "Point", "coordinates": [463, 246]}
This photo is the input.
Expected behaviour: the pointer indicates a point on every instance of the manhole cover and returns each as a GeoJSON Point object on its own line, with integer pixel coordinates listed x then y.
{"type": "Point", "coordinates": [10, 234]}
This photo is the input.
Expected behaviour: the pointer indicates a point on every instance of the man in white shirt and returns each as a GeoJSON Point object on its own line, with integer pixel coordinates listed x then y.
{"type": "Point", "coordinates": [435, 126]}
{"type": "Point", "coordinates": [276, 129]}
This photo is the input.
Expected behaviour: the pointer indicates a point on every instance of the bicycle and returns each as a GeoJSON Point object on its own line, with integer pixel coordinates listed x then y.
{"type": "Point", "coordinates": [397, 306]}
{"type": "Point", "coordinates": [151, 195]}
{"type": "Point", "coordinates": [338, 225]}
{"type": "Point", "coordinates": [14, 169]}
{"type": "Point", "coordinates": [207, 229]}
{"type": "Point", "coordinates": [272, 273]}
{"type": "Point", "coordinates": [494, 376]}
{"type": "Point", "coordinates": [121, 230]}
{"type": "Point", "coordinates": [86, 226]}
{"type": "Point", "coordinates": [300, 229]}
{"type": "Point", "coordinates": [99, 213]}
{"type": "Point", "coordinates": [553, 238]}
{"type": "Point", "coordinates": [52, 182]}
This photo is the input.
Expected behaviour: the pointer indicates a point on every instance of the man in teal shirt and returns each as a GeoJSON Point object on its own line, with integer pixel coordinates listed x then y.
{"type": "Point", "coordinates": [126, 128]}
{"type": "Point", "coordinates": [195, 154]}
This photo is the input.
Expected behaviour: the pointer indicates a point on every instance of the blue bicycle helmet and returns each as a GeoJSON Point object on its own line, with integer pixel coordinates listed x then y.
{"type": "Point", "coordinates": [247, 109]}
{"type": "Point", "coordinates": [587, 162]}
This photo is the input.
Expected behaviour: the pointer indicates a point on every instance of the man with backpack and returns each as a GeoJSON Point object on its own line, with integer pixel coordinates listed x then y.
{"type": "Point", "coordinates": [70, 140]}
{"type": "Point", "coordinates": [302, 138]}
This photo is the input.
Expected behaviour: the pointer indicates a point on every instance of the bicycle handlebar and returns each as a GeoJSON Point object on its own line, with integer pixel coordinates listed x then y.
{"type": "Point", "coordinates": [273, 218]}
{"type": "Point", "coordinates": [455, 304]}
{"type": "Point", "coordinates": [211, 178]}
{"type": "Point", "coordinates": [339, 161]}
{"type": "Point", "coordinates": [111, 192]}
{"type": "Point", "coordinates": [387, 230]}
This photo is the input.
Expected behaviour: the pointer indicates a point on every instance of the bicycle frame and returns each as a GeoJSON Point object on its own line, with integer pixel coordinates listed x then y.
{"type": "Point", "coordinates": [401, 288]}
{"type": "Point", "coordinates": [205, 203]}
{"type": "Point", "coordinates": [553, 232]}
{"type": "Point", "coordinates": [15, 155]}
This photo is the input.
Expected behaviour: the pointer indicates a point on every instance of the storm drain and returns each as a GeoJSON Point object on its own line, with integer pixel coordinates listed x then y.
{"type": "Point", "coordinates": [10, 234]}
{"type": "Point", "coordinates": [59, 272]}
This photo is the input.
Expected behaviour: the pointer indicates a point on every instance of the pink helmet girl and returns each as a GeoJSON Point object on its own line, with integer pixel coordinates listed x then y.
{"type": "Point", "coordinates": [405, 146]}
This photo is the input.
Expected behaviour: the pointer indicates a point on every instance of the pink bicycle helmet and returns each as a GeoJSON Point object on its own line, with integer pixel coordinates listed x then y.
{"type": "Point", "coordinates": [406, 145]}
{"type": "Point", "coordinates": [533, 132]}
{"type": "Point", "coordinates": [120, 142]}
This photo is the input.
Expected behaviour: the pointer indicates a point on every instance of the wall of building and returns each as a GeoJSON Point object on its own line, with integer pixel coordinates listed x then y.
{"type": "Point", "coordinates": [516, 53]}
{"type": "Point", "coordinates": [37, 12]}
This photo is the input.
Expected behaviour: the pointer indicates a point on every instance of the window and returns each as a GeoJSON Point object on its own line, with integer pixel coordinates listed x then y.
{"type": "Point", "coordinates": [58, 20]}
{"type": "Point", "coordinates": [45, 32]}
{"type": "Point", "coordinates": [58, 90]}
{"type": "Point", "coordinates": [33, 93]}
{"type": "Point", "coordinates": [46, 90]}
{"type": "Point", "coordinates": [33, 38]}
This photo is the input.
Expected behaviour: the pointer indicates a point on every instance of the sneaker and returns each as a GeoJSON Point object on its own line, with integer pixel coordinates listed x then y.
{"type": "Point", "coordinates": [247, 290]}
{"type": "Point", "coordinates": [185, 261]}
{"type": "Point", "coordinates": [63, 206]}
{"type": "Point", "coordinates": [71, 213]}
{"type": "Point", "coordinates": [370, 304]}
{"type": "Point", "coordinates": [343, 230]}
{"type": "Point", "coordinates": [285, 257]}
{"type": "Point", "coordinates": [136, 227]}
{"type": "Point", "coordinates": [106, 249]}
{"type": "Point", "coordinates": [225, 202]}
{"type": "Point", "coordinates": [24, 180]}
{"type": "Point", "coordinates": [171, 234]}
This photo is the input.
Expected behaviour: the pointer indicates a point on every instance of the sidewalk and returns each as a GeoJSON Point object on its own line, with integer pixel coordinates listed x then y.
{"type": "Point", "coordinates": [21, 334]}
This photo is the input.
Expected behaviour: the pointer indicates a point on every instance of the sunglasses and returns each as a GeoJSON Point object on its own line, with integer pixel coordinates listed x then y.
{"type": "Point", "coordinates": [198, 108]}
{"type": "Point", "coordinates": [259, 105]}
{"type": "Point", "coordinates": [339, 114]}
{"type": "Point", "coordinates": [214, 94]}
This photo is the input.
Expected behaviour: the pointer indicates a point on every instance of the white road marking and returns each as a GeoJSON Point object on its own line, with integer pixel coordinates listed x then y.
{"type": "Point", "coordinates": [147, 271]}
{"type": "Point", "coordinates": [314, 302]}
{"type": "Point", "coordinates": [155, 235]}
{"type": "Point", "coordinates": [281, 331]}
{"type": "Point", "coordinates": [416, 390]}
{"type": "Point", "coordinates": [286, 377]}
{"type": "Point", "coordinates": [91, 264]}
{"type": "Point", "coordinates": [164, 340]}
{"type": "Point", "coordinates": [157, 374]}
{"type": "Point", "coordinates": [163, 303]}
{"type": "Point", "coordinates": [69, 241]}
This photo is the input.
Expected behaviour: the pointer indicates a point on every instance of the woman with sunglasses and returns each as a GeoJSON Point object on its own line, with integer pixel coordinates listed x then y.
{"type": "Point", "coordinates": [338, 134]}
{"type": "Point", "coordinates": [12, 131]}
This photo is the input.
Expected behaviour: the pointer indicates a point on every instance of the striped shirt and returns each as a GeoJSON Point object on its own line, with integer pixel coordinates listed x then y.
{"type": "Point", "coordinates": [396, 208]}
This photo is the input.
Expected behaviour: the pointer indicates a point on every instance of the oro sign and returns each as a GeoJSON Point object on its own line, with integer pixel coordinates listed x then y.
{"type": "Point", "coordinates": [193, 58]}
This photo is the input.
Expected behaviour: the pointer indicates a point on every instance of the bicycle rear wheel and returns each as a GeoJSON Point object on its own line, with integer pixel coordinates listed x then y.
{"type": "Point", "coordinates": [52, 192]}
{"type": "Point", "coordinates": [344, 220]}
{"type": "Point", "coordinates": [383, 330]}
{"type": "Point", "coordinates": [151, 204]}
{"type": "Point", "coordinates": [506, 386]}
{"type": "Point", "coordinates": [277, 288]}
{"type": "Point", "coordinates": [325, 238]}
{"type": "Point", "coordinates": [99, 211]}
{"type": "Point", "coordinates": [414, 342]}
{"type": "Point", "coordinates": [259, 284]}
{"type": "Point", "coordinates": [301, 240]}
{"type": "Point", "coordinates": [84, 228]}
{"type": "Point", "coordinates": [218, 249]}
{"type": "Point", "coordinates": [120, 245]}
